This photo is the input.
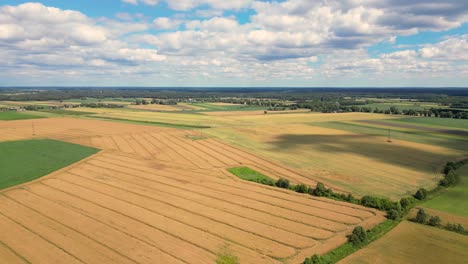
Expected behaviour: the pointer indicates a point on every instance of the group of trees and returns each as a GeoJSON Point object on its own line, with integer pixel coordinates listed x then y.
{"type": "Point", "coordinates": [100, 105]}
{"type": "Point", "coordinates": [450, 173]}
{"type": "Point", "coordinates": [424, 218]}
{"type": "Point", "coordinates": [155, 101]}
{"type": "Point", "coordinates": [334, 107]}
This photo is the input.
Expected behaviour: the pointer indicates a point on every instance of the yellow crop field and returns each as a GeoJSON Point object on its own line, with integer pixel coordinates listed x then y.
{"type": "Point", "coordinates": [360, 163]}
{"type": "Point", "coordinates": [363, 164]}
{"type": "Point", "coordinates": [159, 191]}
{"type": "Point", "coordinates": [156, 107]}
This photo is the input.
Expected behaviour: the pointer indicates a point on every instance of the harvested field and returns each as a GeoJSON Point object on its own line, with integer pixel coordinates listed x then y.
{"type": "Point", "coordinates": [161, 192]}
{"type": "Point", "coordinates": [257, 112]}
{"type": "Point", "coordinates": [456, 132]}
{"type": "Point", "coordinates": [444, 216]}
{"type": "Point", "coordinates": [156, 107]}
{"type": "Point", "coordinates": [414, 243]}
{"type": "Point", "coordinates": [360, 163]}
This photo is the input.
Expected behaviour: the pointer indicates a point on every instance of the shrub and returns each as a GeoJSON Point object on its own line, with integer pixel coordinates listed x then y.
{"type": "Point", "coordinates": [320, 190]}
{"type": "Point", "coordinates": [315, 259]}
{"type": "Point", "coordinates": [393, 214]}
{"type": "Point", "coordinates": [350, 198]}
{"type": "Point", "coordinates": [406, 202]}
{"type": "Point", "coordinates": [370, 201]}
{"type": "Point", "coordinates": [358, 237]}
{"type": "Point", "coordinates": [282, 183]}
{"type": "Point", "coordinates": [302, 188]}
{"type": "Point", "coordinates": [434, 221]}
{"type": "Point", "coordinates": [421, 194]}
{"type": "Point", "coordinates": [421, 216]}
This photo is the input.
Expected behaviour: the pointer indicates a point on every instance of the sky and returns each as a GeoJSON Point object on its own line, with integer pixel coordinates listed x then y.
{"type": "Point", "coordinates": [234, 43]}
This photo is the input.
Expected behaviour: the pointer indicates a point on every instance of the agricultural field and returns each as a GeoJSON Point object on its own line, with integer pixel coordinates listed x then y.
{"type": "Point", "coordinates": [41, 156]}
{"type": "Point", "coordinates": [332, 148]}
{"type": "Point", "coordinates": [160, 191]}
{"type": "Point", "coordinates": [414, 243]}
{"type": "Point", "coordinates": [402, 105]}
{"type": "Point", "coordinates": [13, 115]}
{"type": "Point", "coordinates": [447, 138]}
{"type": "Point", "coordinates": [455, 199]}
{"type": "Point", "coordinates": [435, 122]}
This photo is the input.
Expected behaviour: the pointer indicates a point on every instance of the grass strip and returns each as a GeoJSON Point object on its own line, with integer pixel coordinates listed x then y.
{"type": "Point", "coordinates": [246, 173]}
{"type": "Point", "coordinates": [162, 124]}
{"type": "Point", "coordinates": [66, 112]}
{"type": "Point", "coordinates": [348, 248]}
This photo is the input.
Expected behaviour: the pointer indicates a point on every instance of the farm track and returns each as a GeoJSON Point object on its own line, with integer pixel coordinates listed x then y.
{"type": "Point", "coordinates": [167, 197]}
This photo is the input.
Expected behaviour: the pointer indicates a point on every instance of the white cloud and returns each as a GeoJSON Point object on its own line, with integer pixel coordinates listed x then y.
{"type": "Point", "coordinates": [294, 40]}
{"type": "Point", "coordinates": [165, 23]}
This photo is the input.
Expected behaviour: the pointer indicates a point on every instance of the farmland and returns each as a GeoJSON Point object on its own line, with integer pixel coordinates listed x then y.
{"type": "Point", "coordinates": [160, 191]}
{"type": "Point", "coordinates": [200, 175]}
{"type": "Point", "coordinates": [454, 200]}
{"type": "Point", "coordinates": [414, 243]}
{"type": "Point", "coordinates": [437, 122]}
{"type": "Point", "coordinates": [41, 156]}
{"type": "Point", "coordinates": [13, 115]}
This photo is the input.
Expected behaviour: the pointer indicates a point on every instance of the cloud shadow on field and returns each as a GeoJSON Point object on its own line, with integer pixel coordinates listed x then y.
{"type": "Point", "coordinates": [380, 150]}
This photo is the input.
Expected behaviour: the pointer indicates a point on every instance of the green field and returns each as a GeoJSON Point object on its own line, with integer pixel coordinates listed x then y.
{"type": "Point", "coordinates": [424, 137]}
{"type": "Point", "coordinates": [248, 174]}
{"type": "Point", "coordinates": [66, 112]}
{"type": "Point", "coordinates": [435, 121]}
{"type": "Point", "coordinates": [455, 199]}
{"type": "Point", "coordinates": [215, 108]}
{"type": "Point", "coordinates": [414, 243]}
{"type": "Point", "coordinates": [13, 115]}
{"type": "Point", "coordinates": [26, 160]}
{"type": "Point", "coordinates": [161, 124]}
{"type": "Point", "coordinates": [402, 105]}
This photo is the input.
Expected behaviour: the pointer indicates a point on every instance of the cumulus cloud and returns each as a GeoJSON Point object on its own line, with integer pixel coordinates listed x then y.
{"type": "Point", "coordinates": [41, 36]}
{"type": "Point", "coordinates": [281, 40]}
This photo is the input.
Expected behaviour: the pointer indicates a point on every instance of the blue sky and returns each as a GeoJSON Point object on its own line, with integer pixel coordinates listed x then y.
{"type": "Point", "coordinates": [234, 43]}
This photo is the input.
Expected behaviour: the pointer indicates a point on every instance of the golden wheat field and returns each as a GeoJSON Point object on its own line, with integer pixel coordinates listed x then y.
{"type": "Point", "coordinates": [154, 195]}
{"type": "Point", "coordinates": [362, 164]}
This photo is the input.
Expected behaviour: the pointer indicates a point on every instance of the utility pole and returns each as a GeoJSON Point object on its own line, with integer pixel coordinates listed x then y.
{"type": "Point", "coordinates": [33, 128]}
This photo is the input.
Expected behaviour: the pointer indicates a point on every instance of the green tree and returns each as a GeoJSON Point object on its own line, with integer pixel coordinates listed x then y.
{"type": "Point", "coordinates": [393, 215]}
{"type": "Point", "coordinates": [434, 221]}
{"type": "Point", "coordinates": [315, 259]}
{"type": "Point", "coordinates": [302, 188]}
{"type": "Point", "coordinates": [421, 216]}
{"type": "Point", "coordinates": [320, 190]}
{"type": "Point", "coordinates": [358, 237]}
{"type": "Point", "coordinates": [282, 183]}
{"type": "Point", "coordinates": [421, 194]}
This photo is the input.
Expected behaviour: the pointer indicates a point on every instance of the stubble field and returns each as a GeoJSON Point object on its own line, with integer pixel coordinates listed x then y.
{"type": "Point", "coordinates": [154, 195]}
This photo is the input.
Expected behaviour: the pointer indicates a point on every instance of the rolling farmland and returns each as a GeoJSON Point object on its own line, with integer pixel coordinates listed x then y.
{"type": "Point", "coordinates": [160, 191]}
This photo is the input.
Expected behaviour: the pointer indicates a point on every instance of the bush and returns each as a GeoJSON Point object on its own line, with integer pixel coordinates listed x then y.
{"type": "Point", "coordinates": [421, 216]}
{"type": "Point", "coordinates": [320, 190]}
{"type": "Point", "coordinates": [282, 183]}
{"type": "Point", "coordinates": [301, 188]}
{"type": "Point", "coordinates": [315, 259]}
{"type": "Point", "coordinates": [421, 194]}
{"type": "Point", "coordinates": [393, 215]}
{"type": "Point", "coordinates": [358, 237]}
{"type": "Point", "coordinates": [370, 201]}
{"type": "Point", "coordinates": [434, 221]}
